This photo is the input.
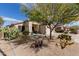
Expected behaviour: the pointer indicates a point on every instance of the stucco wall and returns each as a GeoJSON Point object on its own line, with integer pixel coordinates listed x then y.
{"type": "Point", "coordinates": [18, 25]}
{"type": "Point", "coordinates": [30, 28]}
{"type": "Point", "coordinates": [43, 29]}
{"type": "Point", "coordinates": [48, 32]}
{"type": "Point", "coordinates": [26, 24]}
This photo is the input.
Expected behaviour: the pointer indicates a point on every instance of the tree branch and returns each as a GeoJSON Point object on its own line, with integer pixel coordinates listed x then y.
{"type": "Point", "coordinates": [55, 25]}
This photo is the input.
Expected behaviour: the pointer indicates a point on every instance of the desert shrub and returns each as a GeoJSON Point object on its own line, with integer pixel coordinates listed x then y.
{"type": "Point", "coordinates": [37, 43]}
{"type": "Point", "coordinates": [73, 30]}
{"type": "Point", "coordinates": [64, 36]}
{"type": "Point", "coordinates": [0, 29]}
{"type": "Point", "coordinates": [64, 40]}
{"type": "Point", "coordinates": [25, 32]}
{"type": "Point", "coordinates": [59, 30]}
{"type": "Point", "coordinates": [23, 38]}
{"type": "Point", "coordinates": [40, 42]}
{"type": "Point", "coordinates": [10, 33]}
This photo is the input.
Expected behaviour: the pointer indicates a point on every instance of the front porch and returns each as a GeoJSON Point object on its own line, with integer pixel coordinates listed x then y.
{"type": "Point", "coordinates": [36, 28]}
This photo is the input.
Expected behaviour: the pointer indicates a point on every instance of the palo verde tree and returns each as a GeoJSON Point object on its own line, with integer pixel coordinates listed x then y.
{"type": "Point", "coordinates": [52, 14]}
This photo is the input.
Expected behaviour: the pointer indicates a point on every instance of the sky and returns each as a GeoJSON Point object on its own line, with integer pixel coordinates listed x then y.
{"type": "Point", "coordinates": [10, 12]}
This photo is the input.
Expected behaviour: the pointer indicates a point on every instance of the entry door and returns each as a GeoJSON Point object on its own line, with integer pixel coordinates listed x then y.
{"type": "Point", "coordinates": [35, 28]}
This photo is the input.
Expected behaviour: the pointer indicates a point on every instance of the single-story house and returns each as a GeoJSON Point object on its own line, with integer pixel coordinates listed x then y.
{"type": "Point", "coordinates": [17, 25]}
{"type": "Point", "coordinates": [35, 27]}
{"type": "Point", "coordinates": [32, 27]}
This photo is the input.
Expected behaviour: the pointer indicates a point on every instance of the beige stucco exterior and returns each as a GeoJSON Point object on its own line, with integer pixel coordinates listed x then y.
{"type": "Point", "coordinates": [30, 26]}
{"type": "Point", "coordinates": [41, 28]}
{"type": "Point", "coordinates": [19, 24]}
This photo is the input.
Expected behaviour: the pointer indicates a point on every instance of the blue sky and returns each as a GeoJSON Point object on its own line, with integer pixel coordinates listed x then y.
{"type": "Point", "coordinates": [11, 10]}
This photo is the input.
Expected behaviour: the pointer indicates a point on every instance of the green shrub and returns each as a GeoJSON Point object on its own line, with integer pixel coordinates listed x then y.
{"type": "Point", "coordinates": [10, 33]}
{"type": "Point", "coordinates": [64, 40]}
{"type": "Point", "coordinates": [73, 30]}
{"type": "Point", "coordinates": [25, 32]}
{"type": "Point", "coordinates": [0, 29]}
{"type": "Point", "coordinates": [64, 36]}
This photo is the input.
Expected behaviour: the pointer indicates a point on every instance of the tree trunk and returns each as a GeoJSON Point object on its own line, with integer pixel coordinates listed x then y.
{"type": "Point", "coordinates": [50, 34]}
{"type": "Point", "coordinates": [51, 29]}
{"type": "Point", "coordinates": [50, 37]}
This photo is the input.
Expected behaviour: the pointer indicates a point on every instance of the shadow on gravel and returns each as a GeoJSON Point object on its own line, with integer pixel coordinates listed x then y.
{"type": "Point", "coordinates": [2, 52]}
